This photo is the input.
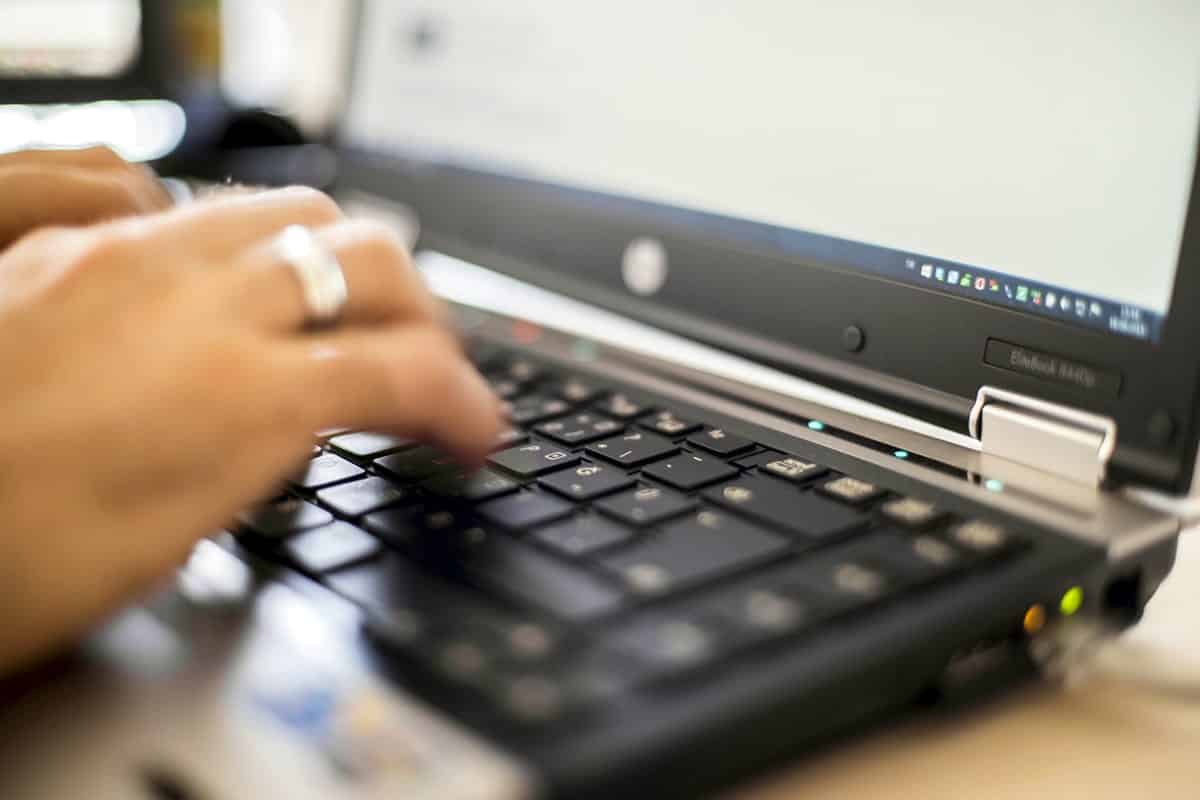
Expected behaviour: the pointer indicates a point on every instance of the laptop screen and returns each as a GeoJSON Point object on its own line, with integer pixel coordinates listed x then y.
{"type": "Point", "coordinates": [1039, 156]}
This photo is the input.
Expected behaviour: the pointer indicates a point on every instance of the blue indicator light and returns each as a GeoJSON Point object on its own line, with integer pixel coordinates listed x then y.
{"type": "Point", "coordinates": [993, 485]}
{"type": "Point", "coordinates": [816, 426]}
{"type": "Point", "coordinates": [901, 454]}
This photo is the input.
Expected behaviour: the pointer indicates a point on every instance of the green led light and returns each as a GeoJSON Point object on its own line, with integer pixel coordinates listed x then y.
{"type": "Point", "coordinates": [993, 485]}
{"type": "Point", "coordinates": [1071, 602]}
{"type": "Point", "coordinates": [901, 454]}
{"type": "Point", "coordinates": [816, 426]}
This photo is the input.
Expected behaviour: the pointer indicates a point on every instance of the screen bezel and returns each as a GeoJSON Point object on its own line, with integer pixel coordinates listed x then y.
{"type": "Point", "coordinates": [149, 76]}
{"type": "Point", "coordinates": [776, 307]}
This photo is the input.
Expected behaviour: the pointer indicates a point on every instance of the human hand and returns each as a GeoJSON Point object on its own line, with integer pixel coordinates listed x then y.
{"type": "Point", "coordinates": [159, 378]}
{"type": "Point", "coordinates": [72, 187]}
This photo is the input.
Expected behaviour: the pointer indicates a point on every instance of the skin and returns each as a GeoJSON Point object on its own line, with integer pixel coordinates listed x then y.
{"type": "Point", "coordinates": [159, 377]}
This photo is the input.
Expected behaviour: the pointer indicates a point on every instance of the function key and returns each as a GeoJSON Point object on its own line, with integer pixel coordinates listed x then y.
{"type": "Point", "coordinates": [326, 470]}
{"type": "Point", "coordinates": [912, 513]}
{"type": "Point", "coordinates": [689, 471]}
{"type": "Point", "coordinates": [720, 442]}
{"type": "Point", "coordinates": [332, 547]}
{"type": "Point", "coordinates": [666, 423]}
{"type": "Point", "coordinates": [583, 535]}
{"type": "Point", "coordinates": [580, 429]}
{"type": "Point", "coordinates": [474, 487]}
{"type": "Point", "coordinates": [852, 491]}
{"type": "Point", "coordinates": [634, 449]}
{"type": "Point", "coordinates": [575, 390]}
{"type": "Point", "coordinates": [532, 460]}
{"type": "Point", "coordinates": [525, 510]}
{"type": "Point", "coordinates": [982, 538]}
{"type": "Point", "coordinates": [756, 460]}
{"type": "Point", "coordinates": [535, 408]}
{"type": "Point", "coordinates": [417, 465]}
{"type": "Point", "coordinates": [284, 517]}
{"type": "Point", "coordinates": [369, 445]}
{"type": "Point", "coordinates": [363, 497]}
{"type": "Point", "coordinates": [793, 469]}
{"type": "Point", "coordinates": [624, 407]}
{"type": "Point", "coordinates": [778, 504]}
{"type": "Point", "coordinates": [648, 505]}
{"type": "Point", "coordinates": [587, 481]}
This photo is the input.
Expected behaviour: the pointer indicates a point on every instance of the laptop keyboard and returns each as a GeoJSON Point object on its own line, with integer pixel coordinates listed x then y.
{"type": "Point", "coordinates": [609, 545]}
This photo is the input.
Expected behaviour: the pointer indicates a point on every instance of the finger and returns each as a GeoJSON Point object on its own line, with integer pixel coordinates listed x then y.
{"type": "Point", "coordinates": [382, 283]}
{"type": "Point", "coordinates": [411, 381]}
{"type": "Point", "coordinates": [224, 225]}
{"type": "Point", "coordinates": [96, 157]}
{"type": "Point", "coordinates": [34, 196]}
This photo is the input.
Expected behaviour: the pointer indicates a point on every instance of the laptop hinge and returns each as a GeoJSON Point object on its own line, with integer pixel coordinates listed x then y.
{"type": "Point", "coordinates": [1061, 440]}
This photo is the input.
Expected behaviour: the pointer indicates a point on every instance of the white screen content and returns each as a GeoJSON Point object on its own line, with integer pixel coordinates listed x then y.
{"type": "Point", "coordinates": [1049, 141]}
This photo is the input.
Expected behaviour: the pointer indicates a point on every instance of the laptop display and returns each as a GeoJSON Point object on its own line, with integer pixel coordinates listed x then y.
{"type": "Point", "coordinates": [997, 153]}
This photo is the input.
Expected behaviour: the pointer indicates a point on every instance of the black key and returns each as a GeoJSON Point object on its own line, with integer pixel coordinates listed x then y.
{"type": "Point", "coordinates": [505, 389]}
{"type": "Point", "coordinates": [397, 527]}
{"type": "Point", "coordinates": [331, 547]}
{"type": "Point", "coordinates": [523, 371]}
{"type": "Point", "coordinates": [623, 407]}
{"type": "Point", "coordinates": [509, 438]}
{"type": "Point", "coordinates": [326, 470]}
{"type": "Point", "coordinates": [648, 505]}
{"type": "Point", "coordinates": [912, 559]}
{"type": "Point", "coordinates": [981, 538]}
{"type": "Point", "coordinates": [284, 518]}
{"type": "Point", "coordinates": [912, 513]}
{"type": "Point", "coordinates": [587, 481]}
{"type": "Point", "coordinates": [532, 460]}
{"type": "Point", "coordinates": [852, 491]}
{"type": "Point", "coordinates": [424, 532]}
{"type": "Point", "coordinates": [756, 460]}
{"type": "Point", "coordinates": [369, 445]}
{"type": "Point", "coordinates": [417, 465]}
{"type": "Point", "coordinates": [699, 547]}
{"type": "Point", "coordinates": [752, 613]}
{"type": "Point", "coordinates": [535, 408]}
{"type": "Point", "coordinates": [515, 570]}
{"type": "Point", "coordinates": [837, 582]}
{"type": "Point", "coordinates": [486, 356]}
{"type": "Point", "coordinates": [668, 646]}
{"type": "Point", "coordinates": [720, 442]}
{"type": "Point", "coordinates": [575, 390]}
{"type": "Point", "coordinates": [634, 448]}
{"type": "Point", "coordinates": [474, 487]}
{"type": "Point", "coordinates": [779, 504]}
{"type": "Point", "coordinates": [793, 469]}
{"type": "Point", "coordinates": [579, 429]}
{"type": "Point", "coordinates": [689, 471]}
{"type": "Point", "coordinates": [666, 423]}
{"type": "Point", "coordinates": [525, 510]}
{"type": "Point", "coordinates": [363, 497]}
{"type": "Point", "coordinates": [582, 535]}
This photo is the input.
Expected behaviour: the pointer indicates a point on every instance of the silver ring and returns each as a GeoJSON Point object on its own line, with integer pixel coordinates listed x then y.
{"type": "Point", "coordinates": [320, 273]}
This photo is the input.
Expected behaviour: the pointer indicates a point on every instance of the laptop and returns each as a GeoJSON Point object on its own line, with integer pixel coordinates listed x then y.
{"type": "Point", "coordinates": [850, 360]}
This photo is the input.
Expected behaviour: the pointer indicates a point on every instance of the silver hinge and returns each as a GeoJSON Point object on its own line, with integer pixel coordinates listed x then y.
{"type": "Point", "coordinates": [1058, 439]}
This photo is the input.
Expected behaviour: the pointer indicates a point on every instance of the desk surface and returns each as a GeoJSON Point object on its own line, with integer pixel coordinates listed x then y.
{"type": "Point", "coordinates": [1101, 740]}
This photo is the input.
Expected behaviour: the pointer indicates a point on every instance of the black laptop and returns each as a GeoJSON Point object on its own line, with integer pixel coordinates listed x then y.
{"type": "Point", "coordinates": [846, 346]}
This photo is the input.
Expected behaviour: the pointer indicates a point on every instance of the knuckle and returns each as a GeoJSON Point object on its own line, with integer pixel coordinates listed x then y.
{"type": "Point", "coordinates": [376, 242]}
{"type": "Point", "coordinates": [316, 206]}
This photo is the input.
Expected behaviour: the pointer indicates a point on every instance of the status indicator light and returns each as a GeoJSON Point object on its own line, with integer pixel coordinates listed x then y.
{"type": "Point", "coordinates": [993, 485]}
{"type": "Point", "coordinates": [901, 454]}
{"type": "Point", "coordinates": [816, 426]}
{"type": "Point", "coordinates": [1071, 602]}
{"type": "Point", "coordinates": [1034, 619]}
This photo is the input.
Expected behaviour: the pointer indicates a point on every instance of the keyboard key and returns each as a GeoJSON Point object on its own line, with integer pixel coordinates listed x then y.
{"type": "Point", "coordinates": [912, 559]}
{"type": "Point", "coordinates": [518, 572]}
{"type": "Point", "coordinates": [912, 513]}
{"type": "Point", "coordinates": [505, 389]}
{"type": "Point", "coordinates": [623, 407]}
{"type": "Point", "coordinates": [699, 547]}
{"type": "Point", "coordinates": [331, 547]}
{"type": "Point", "coordinates": [535, 408]}
{"type": "Point", "coordinates": [474, 487]}
{"type": "Point", "coordinates": [509, 438]}
{"type": "Point", "coordinates": [532, 460]}
{"type": "Point", "coordinates": [326, 470]}
{"type": "Point", "coordinates": [666, 423]}
{"type": "Point", "coordinates": [982, 538]}
{"type": "Point", "coordinates": [689, 471]}
{"type": "Point", "coordinates": [756, 460]}
{"type": "Point", "coordinates": [720, 442]}
{"type": "Point", "coordinates": [363, 497]}
{"type": "Point", "coordinates": [668, 646]}
{"type": "Point", "coordinates": [634, 449]}
{"type": "Point", "coordinates": [575, 390]}
{"type": "Point", "coordinates": [284, 517]}
{"type": "Point", "coordinates": [583, 535]}
{"type": "Point", "coordinates": [523, 371]}
{"type": "Point", "coordinates": [648, 505]}
{"type": "Point", "coordinates": [525, 510]}
{"type": "Point", "coordinates": [369, 445]}
{"type": "Point", "coordinates": [793, 469]}
{"type": "Point", "coordinates": [777, 503]}
{"type": "Point", "coordinates": [852, 491]}
{"type": "Point", "coordinates": [580, 429]}
{"type": "Point", "coordinates": [754, 613]}
{"type": "Point", "coordinates": [587, 482]}
{"type": "Point", "coordinates": [417, 465]}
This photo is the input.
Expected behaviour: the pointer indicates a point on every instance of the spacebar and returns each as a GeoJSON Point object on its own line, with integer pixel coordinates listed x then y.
{"type": "Point", "coordinates": [505, 566]}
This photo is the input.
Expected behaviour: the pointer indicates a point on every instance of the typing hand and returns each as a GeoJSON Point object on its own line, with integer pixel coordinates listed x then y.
{"type": "Point", "coordinates": [159, 376]}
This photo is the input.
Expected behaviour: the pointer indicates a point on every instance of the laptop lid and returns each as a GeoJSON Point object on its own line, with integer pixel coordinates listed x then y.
{"type": "Point", "coordinates": [908, 201]}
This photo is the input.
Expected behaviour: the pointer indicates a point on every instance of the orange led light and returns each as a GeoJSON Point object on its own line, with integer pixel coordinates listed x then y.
{"type": "Point", "coordinates": [1035, 619]}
